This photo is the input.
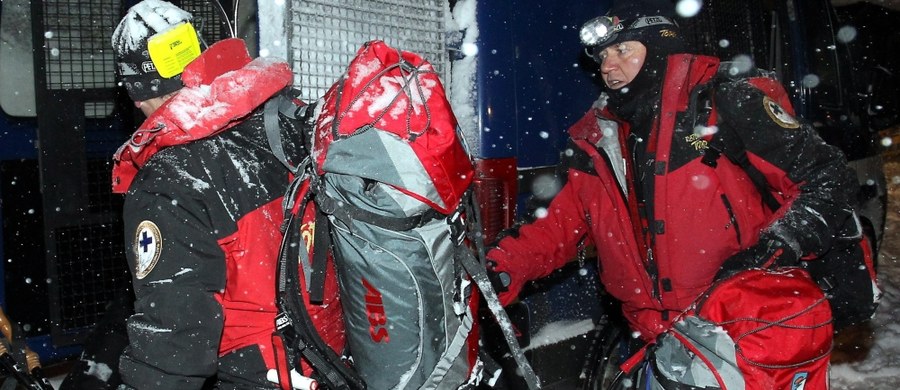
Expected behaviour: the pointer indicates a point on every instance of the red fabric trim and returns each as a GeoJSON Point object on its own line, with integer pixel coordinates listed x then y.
{"type": "Point", "coordinates": [773, 89]}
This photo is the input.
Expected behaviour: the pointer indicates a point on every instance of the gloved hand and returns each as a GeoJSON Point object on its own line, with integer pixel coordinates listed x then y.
{"type": "Point", "coordinates": [770, 251]}
{"type": "Point", "coordinates": [505, 281]}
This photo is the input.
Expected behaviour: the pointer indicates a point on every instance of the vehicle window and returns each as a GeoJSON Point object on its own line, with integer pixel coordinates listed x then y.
{"type": "Point", "coordinates": [16, 60]}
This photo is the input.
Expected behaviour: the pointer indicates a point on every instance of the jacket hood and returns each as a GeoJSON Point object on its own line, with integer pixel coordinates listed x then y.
{"type": "Point", "coordinates": [222, 86]}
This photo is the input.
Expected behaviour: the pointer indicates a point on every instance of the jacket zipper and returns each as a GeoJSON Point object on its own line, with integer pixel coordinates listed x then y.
{"type": "Point", "coordinates": [732, 218]}
{"type": "Point", "coordinates": [654, 274]}
{"type": "Point", "coordinates": [650, 261]}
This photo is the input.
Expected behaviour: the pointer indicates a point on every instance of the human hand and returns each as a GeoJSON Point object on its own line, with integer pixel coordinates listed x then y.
{"type": "Point", "coordinates": [769, 251]}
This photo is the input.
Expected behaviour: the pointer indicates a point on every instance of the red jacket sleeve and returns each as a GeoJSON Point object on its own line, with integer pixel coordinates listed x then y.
{"type": "Point", "coordinates": [547, 243]}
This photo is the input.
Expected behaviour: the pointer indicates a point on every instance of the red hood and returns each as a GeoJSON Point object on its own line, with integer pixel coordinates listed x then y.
{"type": "Point", "coordinates": [222, 86]}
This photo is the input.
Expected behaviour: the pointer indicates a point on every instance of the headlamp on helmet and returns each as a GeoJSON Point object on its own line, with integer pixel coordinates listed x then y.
{"type": "Point", "coordinates": [602, 30]}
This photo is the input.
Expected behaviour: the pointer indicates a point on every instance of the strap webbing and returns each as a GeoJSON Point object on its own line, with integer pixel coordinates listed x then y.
{"type": "Point", "coordinates": [295, 327]}
{"type": "Point", "coordinates": [727, 142]}
{"type": "Point", "coordinates": [273, 131]}
{"type": "Point", "coordinates": [347, 213]}
{"type": "Point", "coordinates": [479, 275]}
{"type": "Point", "coordinates": [477, 271]}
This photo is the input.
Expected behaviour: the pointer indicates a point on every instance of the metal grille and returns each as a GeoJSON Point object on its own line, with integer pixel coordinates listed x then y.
{"type": "Point", "coordinates": [325, 35]}
{"type": "Point", "coordinates": [90, 260]}
{"type": "Point", "coordinates": [100, 197]}
{"type": "Point", "coordinates": [78, 49]}
{"type": "Point", "coordinates": [207, 19]}
{"type": "Point", "coordinates": [77, 44]}
{"type": "Point", "coordinates": [91, 267]}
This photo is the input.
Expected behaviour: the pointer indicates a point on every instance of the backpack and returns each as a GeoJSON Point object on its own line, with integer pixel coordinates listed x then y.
{"type": "Point", "coordinates": [846, 272]}
{"type": "Point", "coordinates": [779, 337]}
{"type": "Point", "coordinates": [390, 179]}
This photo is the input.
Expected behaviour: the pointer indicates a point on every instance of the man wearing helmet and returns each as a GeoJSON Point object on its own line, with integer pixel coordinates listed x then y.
{"type": "Point", "coordinates": [666, 223]}
{"type": "Point", "coordinates": [203, 207]}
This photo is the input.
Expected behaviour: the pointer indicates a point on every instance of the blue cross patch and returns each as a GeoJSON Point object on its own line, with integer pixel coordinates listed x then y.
{"type": "Point", "coordinates": [147, 248]}
{"type": "Point", "coordinates": [779, 115]}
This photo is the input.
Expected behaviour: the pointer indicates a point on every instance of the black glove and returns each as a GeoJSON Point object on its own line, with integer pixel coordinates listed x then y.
{"type": "Point", "coordinates": [504, 284]}
{"type": "Point", "coordinates": [770, 251]}
{"type": "Point", "coordinates": [500, 280]}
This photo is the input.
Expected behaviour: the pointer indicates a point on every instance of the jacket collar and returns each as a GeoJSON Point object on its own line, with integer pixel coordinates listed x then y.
{"type": "Point", "coordinates": [683, 73]}
{"type": "Point", "coordinates": [222, 86]}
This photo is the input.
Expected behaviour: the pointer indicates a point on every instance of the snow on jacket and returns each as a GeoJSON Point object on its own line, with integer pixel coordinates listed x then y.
{"type": "Point", "coordinates": [202, 216]}
{"type": "Point", "coordinates": [657, 259]}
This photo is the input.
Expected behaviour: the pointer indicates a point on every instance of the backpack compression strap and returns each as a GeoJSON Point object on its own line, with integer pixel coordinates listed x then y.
{"type": "Point", "coordinates": [299, 336]}
{"type": "Point", "coordinates": [293, 324]}
{"type": "Point", "coordinates": [476, 270]}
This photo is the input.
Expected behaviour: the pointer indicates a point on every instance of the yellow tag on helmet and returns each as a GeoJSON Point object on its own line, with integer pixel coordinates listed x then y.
{"type": "Point", "coordinates": [173, 49]}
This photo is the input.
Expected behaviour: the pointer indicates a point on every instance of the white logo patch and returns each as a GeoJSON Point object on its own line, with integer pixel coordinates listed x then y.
{"type": "Point", "coordinates": [779, 115]}
{"type": "Point", "coordinates": [147, 247]}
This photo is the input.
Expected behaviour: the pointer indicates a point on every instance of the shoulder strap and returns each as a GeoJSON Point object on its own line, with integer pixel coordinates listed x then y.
{"type": "Point", "coordinates": [285, 104]}
{"type": "Point", "coordinates": [294, 326]}
{"type": "Point", "coordinates": [726, 142]}
{"type": "Point", "coordinates": [475, 267]}
{"type": "Point", "coordinates": [299, 337]}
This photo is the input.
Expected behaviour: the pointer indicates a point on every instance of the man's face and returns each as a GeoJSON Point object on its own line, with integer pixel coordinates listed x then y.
{"type": "Point", "coordinates": [620, 63]}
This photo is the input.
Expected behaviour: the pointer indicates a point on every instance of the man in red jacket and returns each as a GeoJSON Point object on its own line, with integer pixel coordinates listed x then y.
{"type": "Point", "coordinates": [203, 207]}
{"type": "Point", "coordinates": [664, 222]}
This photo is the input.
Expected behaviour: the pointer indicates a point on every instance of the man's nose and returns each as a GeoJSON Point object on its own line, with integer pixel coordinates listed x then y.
{"type": "Point", "coordinates": [608, 64]}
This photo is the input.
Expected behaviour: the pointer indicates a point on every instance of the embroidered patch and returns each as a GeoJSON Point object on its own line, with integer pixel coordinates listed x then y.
{"type": "Point", "coordinates": [779, 115]}
{"type": "Point", "coordinates": [147, 247]}
{"type": "Point", "coordinates": [699, 144]}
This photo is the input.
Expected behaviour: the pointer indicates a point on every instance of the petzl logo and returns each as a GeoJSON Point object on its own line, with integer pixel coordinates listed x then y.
{"type": "Point", "coordinates": [148, 66]}
{"type": "Point", "coordinates": [375, 313]}
{"type": "Point", "coordinates": [799, 381]}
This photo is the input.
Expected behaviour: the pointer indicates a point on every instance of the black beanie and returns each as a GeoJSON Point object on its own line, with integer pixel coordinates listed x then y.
{"type": "Point", "coordinates": [664, 37]}
{"type": "Point", "coordinates": [129, 42]}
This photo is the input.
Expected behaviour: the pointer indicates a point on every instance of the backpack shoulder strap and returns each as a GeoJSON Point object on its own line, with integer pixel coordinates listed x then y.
{"type": "Point", "coordinates": [285, 104]}
{"type": "Point", "coordinates": [728, 143]}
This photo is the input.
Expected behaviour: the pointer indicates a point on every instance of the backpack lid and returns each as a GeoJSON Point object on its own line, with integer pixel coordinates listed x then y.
{"type": "Point", "coordinates": [387, 119]}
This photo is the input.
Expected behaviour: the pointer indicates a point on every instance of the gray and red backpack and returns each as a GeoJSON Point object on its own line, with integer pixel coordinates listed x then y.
{"type": "Point", "coordinates": [390, 180]}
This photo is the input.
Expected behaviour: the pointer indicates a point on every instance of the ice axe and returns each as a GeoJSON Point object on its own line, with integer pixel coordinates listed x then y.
{"type": "Point", "coordinates": [31, 375]}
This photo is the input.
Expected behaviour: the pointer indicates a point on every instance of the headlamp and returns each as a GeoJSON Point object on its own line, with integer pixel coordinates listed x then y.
{"type": "Point", "coordinates": [173, 49]}
{"type": "Point", "coordinates": [602, 29]}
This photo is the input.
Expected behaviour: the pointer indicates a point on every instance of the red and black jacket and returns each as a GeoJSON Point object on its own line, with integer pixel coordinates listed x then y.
{"type": "Point", "coordinates": [202, 222]}
{"type": "Point", "coordinates": [657, 256]}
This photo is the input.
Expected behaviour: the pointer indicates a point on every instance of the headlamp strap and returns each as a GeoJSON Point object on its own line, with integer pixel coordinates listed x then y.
{"type": "Point", "coordinates": [647, 21]}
